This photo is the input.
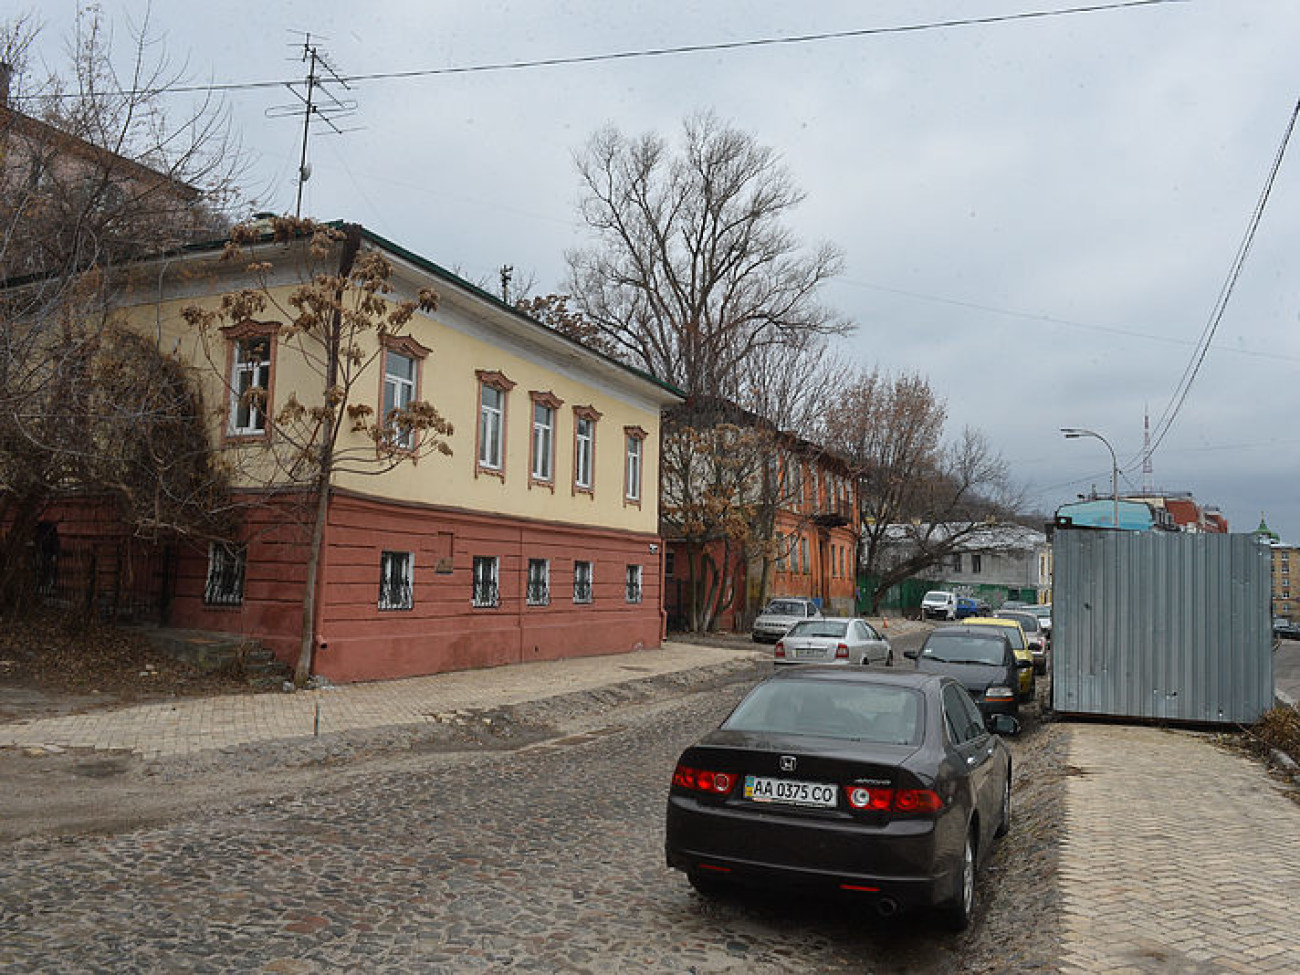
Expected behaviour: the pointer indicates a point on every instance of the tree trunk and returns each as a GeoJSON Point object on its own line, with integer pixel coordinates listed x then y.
{"type": "Point", "coordinates": [307, 646]}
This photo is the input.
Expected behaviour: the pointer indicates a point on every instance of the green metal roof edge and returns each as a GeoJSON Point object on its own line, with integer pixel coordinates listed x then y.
{"type": "Point", "coordinates": [437, 269]}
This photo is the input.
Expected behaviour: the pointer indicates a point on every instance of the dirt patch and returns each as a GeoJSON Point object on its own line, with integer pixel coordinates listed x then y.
{"type": "Point", "coordinates": [51, 666]}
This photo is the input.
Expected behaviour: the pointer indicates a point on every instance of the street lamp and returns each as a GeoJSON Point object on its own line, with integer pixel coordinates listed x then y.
{"type": "Point", "coordinates": [1074, 433]}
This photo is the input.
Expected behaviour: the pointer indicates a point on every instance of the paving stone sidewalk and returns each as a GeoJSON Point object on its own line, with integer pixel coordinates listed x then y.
{"type": "Point", "coordinates": [1179, 857]}
{"type": "Point", "coordinates": [187, 726]}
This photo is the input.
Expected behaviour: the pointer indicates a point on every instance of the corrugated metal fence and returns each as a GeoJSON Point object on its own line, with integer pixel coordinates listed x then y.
{"type": "Point", "coordinates": [1162, 626]}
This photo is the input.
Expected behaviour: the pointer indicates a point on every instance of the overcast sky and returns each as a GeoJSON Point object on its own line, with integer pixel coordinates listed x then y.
{"type": "Point", "coordinates": [1038, 214]}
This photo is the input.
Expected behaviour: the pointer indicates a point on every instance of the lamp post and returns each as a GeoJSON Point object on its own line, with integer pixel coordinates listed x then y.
{"type": "Point", "coordinates": [1074, 433]}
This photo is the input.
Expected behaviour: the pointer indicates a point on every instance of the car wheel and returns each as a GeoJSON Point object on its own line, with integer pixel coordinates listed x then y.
{"type": "Point", "coordinates": [889, 660]}
{"type": "Point", "coordinates": [707, 884]}
{"type": "Point", "coordinates": [1004, 817]}
{"type": "Point", "coordinates": [959, 910]}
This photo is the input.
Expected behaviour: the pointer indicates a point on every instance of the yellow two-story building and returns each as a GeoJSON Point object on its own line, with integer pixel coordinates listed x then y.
{"type": "Point", "coordinates": [535, 538]}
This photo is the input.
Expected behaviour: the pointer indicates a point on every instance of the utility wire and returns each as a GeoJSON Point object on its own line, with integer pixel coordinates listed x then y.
{"type": "Point", "coordinates": [1166, 421]}
{"type": "Point", "coordinates": [650, 52]}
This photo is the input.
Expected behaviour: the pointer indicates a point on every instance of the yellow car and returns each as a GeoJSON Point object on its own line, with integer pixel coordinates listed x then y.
{"type": "Point", "coordinates": [1019, 644]}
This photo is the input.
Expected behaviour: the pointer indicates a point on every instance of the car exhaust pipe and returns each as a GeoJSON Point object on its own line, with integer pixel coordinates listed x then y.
{"type": "Point", "coordinates": [887, 907]}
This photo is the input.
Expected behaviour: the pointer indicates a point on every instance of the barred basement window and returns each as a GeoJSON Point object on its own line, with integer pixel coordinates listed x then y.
{"type": "Point", "coordinates": [396, 574]}
{"type": "Point", "coordinates": [487, 591]}
{"type": "Point", "coordinates": [539, 582]}
{"type": "Point", "coordinates": [225, 585]}
{"type": "Point", "coordinates": [582, 588]}
{"type": "Point", "coordinates": [634, 583]}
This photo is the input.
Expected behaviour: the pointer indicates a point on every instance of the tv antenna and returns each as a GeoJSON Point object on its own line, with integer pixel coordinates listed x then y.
{"type": "Point", "coordinates": [317, 100]}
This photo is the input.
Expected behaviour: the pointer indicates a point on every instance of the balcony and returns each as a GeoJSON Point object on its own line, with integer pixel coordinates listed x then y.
{"type": "Point", "coordinates": [834, 514]}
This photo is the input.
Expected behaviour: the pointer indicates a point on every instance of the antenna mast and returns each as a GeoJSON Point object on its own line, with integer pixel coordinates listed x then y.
{"type": "Point", "coordinates": [326, 108]}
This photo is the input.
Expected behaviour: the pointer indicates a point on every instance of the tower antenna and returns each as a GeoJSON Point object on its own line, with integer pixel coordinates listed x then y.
{"type": "Point", "coordinates": [317, 101]}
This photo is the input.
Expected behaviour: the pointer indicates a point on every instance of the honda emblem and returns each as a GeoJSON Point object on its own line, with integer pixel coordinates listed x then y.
{"type": "Point", "coordinates": [788, 763]}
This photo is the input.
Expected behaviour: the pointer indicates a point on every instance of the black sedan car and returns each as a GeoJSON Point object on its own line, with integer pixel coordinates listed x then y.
{"type": "Point", "coordinates": [981, 658]}
{"type": "Point", "coordinates": [884, 784]}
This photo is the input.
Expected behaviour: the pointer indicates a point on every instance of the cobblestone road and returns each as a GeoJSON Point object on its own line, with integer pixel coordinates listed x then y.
{"type": "Point", "coordinates": [548, 859]}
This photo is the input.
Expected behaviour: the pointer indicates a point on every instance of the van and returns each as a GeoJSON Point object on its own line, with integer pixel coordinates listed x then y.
{"type": "Point", "coordinates": [939, 604]}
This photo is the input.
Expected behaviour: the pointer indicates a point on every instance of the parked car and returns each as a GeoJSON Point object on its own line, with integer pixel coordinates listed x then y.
{"type": "Point", "coordinates": [1284, 629]}
{"type": "Point", "coordinates": [885, 784]}
{"type": "Point", "coordinates": [970, 606]}
{"type": "Point", "coordinates": [1014, 604]}
{"type": "Point", "coordinates": [833, 640]}
{"type": "Point", "coordinates": [982, 659]}
{"type": "Point", "coordinates": [1020, 644]}
{"type": "Point", "coordinates": [1044, 613]}
{"type": "Point", "coordinates": [1034, 634]}
{"type": "Point", "coordinates": [781, 614]}
{"type": "Point", "coordinates": [939, 604]}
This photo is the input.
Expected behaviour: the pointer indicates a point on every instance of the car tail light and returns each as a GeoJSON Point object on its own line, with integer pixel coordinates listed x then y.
{"type": "Point", "coordinates": [779, 649]}
{"type": "Point", "coordinates": [905, 801]}
{"type": "Point", "coordinates": [842, 652]}
{"type": "Point", "coordinates": [703, 780]}
{"type": "Point", "coordinates": [999, 693]}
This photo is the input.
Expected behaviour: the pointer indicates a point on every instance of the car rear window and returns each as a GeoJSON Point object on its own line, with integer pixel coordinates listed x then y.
{"type": "Point", "coordinates": [828, 628]}
{"type": "Point", "coordinates": [1027, 620]}
{"type": "Point", "coordinates": [851, 710]}
{"type": "Point", "coordinates": [965, 649]}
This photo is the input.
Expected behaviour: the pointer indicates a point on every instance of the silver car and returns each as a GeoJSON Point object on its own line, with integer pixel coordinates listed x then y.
{"type": "Point", "coordinates": [781, 614]}
{"type": "Point", "coordinates": [833, 640]}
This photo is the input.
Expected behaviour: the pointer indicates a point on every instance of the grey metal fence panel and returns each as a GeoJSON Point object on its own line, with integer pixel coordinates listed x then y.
{"type": "Point", "coordinates": [1161, 626]}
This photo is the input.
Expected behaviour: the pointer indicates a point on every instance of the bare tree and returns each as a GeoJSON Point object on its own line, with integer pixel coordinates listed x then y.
{"type": "Point", "coordinates": [921, 499]}
{"type": "Point", "coordinates": [338, 321]}
{"type": "Point", "coordinates": [92, 173]}
{"type": "Point", "coordinates": [692, 269]}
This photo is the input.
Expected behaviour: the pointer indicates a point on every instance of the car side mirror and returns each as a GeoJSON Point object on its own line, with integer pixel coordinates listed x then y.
{"type": "Point", "coordinates": [911, 654]}
{"type": "Point", "coordinates": [1003, 724]}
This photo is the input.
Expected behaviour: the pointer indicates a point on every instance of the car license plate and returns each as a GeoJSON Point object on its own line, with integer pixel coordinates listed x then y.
{"type": "Point", "coordinates": [760, 789]}
{"type": "Point", "coordinates": [807, 651]}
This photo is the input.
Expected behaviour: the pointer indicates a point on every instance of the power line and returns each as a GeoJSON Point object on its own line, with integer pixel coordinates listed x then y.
{"type": "Point", "coordinates": [1175, 405]}
{"type": "Point", "coordinates": [651, 52]}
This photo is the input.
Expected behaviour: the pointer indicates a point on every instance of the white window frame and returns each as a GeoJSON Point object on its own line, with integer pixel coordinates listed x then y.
{"type": "Point", "coordinates": [584, 582]}
{"type": "Point", "coordinates": [396, 580]}
{"type": "Point", "coordinates": [399, 393]}
{"type": "Point", "coordinates": [634, 577]}
{"type": "Point", "coordinates": [486, 581]}
{"type": "Point", "coordinates": [246, 374]}
{"type": "Point", "coordinates": [227, 567]}
{"type": "Point", "coordinates": [539, 582]}
{"type": "Point", "coordinates": [584, 451]}
{"type": "Point", "coordinates": [632, 490]}
{"type": "Point", "coordinates": [543, 442]}
{"type": "Point", "coordinates": [491, 431]}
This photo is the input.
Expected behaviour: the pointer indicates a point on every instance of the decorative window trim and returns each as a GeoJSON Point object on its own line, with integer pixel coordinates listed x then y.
{"type": "Point", "coordinates": [633, 482]}
{"type": "Point", "coordinates": [235, 335]}
{"type": "Point", "coordinates": [498, 381]}
{"type": "Point", "coordinates": [227, 568]}
{"type": "Point", "coordinates": [548, 401]}
{"type": "Point", "coordinates": [396, 580]}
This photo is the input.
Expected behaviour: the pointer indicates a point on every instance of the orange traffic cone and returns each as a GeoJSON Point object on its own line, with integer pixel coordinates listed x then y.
{"type": "Point", "coordinates": [884, 621]}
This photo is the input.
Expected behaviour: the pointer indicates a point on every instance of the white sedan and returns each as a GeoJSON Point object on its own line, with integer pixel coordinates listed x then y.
{"type": "Point", "coordinates": [833, 640]}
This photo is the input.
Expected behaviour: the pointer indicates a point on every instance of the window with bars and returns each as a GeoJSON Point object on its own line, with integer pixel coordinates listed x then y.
{"type": "Point", "coordinates": [487, 590]}
{"type": "Point", "coordinates": [582, 583]}
{"type": "Point", "coordinates": [539, 582]}
{"type": "Point", "coordinates": [396, 580]}
{"type": "Point", "coordinates": [225, 583]}
{"type": "Point", "coordinates": [633, 583]}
